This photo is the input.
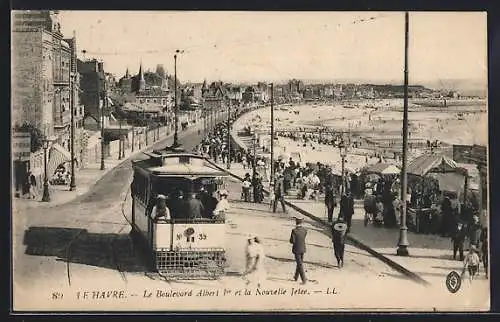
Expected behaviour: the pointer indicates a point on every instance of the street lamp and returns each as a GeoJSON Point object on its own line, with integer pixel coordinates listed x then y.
{"type": "Point", "coordinates": [133, 137]}
{"type": "Point", "coordinates": [102, 124]}
{"type": "Point", "coordinates": [254, 141]}
{"type": "Point", "coordinates": [229, 135]}
{"type": "Point", "coordinates": [46, 194]}
{"type": "Point", "coordinates": [403, 230]}
{"type": "Point", "coordinates": [343, 153]}
{"type": "Point", "coordinates": [176, 108]}
{"type": "Point", "coordinates": [120, 142]}
{"type": "Point", "coordinates": [272, 132]}
{"type": "Point", "coordinates": [72, 184]}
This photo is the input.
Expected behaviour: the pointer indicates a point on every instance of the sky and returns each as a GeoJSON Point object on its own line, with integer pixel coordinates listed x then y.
{"type": "Point", "coordinates": [274, 46]}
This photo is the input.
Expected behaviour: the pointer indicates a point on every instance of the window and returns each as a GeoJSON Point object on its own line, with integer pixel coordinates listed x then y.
{"type": "Point", "coordinates": [140, 187]}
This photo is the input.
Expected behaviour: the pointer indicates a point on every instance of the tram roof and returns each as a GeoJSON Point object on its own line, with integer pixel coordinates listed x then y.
{"type": "Point", "coordinates": [179, 164]}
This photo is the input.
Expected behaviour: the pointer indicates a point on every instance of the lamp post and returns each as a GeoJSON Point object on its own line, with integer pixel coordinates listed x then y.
{"type": "Point", "coordinates": [176, 108]}
{"type": "Point", "coordinates": [46, 194]}
{"type": "Point", "coordinates": [204, 114]}
{"type": "Point", "coordinates": [120, 142]}
{"type": "Point", "coordinates": [343, 153]}
{"type": "Point", "coordinates": [254, 141]}
{"type": "Point", "coordinates": [72, 184]}
{"type": "Point", "coordinates": [403, 230]}
{"type": "Point", "coordinates": [229, 135]}
{"type": "Point", "coordinates": [105, 103]}
{"type": "Point", "coordinates": [211, 119]}
{"type": "Point", "coordinates": [272, 132]}
{"type": "Point", "coordinates": [133, 138]}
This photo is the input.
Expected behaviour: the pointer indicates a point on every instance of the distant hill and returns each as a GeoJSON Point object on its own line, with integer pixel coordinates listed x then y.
{"type": "Point", "coordinates": [463, 86]}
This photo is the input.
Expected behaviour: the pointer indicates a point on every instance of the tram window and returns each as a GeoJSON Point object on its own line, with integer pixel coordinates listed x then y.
{"type": "Point", "coordinates": [140, 186]}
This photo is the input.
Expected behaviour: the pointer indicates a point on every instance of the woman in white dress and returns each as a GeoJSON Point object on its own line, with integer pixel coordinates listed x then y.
{"type": "Point", "coordinates": [255, 272]}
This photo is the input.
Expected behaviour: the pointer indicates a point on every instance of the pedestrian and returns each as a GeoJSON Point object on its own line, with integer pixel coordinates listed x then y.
{"type": "Point", "coordinates": [244, 161]}
{"type": "Point", "coordinates": [255, 272]}
{"type": "Point", "coordinates": [347, 209]}
{"type": "Point", "coordinates": [32, 186]}
{"type": "Point", "coordinates": [330, 201]}
{"type": "Point", "coordinates": [160, 210]}
{"type": "Point", "coordinates": [471, 263]}
{"type": "Point", "coordinates": [279, 193]}
{"type": "Point", "coordinates": [339, 230]}
{"type": "Point", "coordinates": [245, 189]}
{"type": "Point", "coordinates": [484, 250]}
{"type": "Point", "coordinates": [298, 241]}
{"type": "Point", "coordinates": [458, 239]}
{"type": "Point", "coordinates": [474, 234]}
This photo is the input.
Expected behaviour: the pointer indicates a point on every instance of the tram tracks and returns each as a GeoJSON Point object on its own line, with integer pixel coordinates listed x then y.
{"type": "Point", "coordinates": [91, 248]}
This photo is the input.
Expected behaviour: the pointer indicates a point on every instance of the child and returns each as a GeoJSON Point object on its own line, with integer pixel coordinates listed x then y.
{"type": "Point", "coordinates": [471, 263]}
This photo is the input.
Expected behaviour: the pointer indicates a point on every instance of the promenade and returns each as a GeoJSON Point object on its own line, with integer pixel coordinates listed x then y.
{"type": "Point", "coordinates": [87, 177]}
{"type": "Point", "coordinates": [430, 255]}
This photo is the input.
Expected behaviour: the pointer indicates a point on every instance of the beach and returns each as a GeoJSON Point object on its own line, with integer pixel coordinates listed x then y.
{"type": "Point", "coordinates": [378, 121]}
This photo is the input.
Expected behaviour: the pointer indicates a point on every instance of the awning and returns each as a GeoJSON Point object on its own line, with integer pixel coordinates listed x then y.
{"type": "Point", "coordinates": [382, 168]}
{"type": "Point", "coordinates": [57, 156]}
{"type": "Point", "coordinates": [432, 162]}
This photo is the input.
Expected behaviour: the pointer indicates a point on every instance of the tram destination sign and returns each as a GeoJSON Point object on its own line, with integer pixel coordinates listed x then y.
{"type": "Point", "coordinates": [21, 145]}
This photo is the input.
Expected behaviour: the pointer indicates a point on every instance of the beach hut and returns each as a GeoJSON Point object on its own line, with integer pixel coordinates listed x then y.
{"type": "Point", "coordinates": [428, 174]}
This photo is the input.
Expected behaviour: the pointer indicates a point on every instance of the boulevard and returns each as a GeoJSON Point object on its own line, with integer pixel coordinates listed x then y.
{"type": "Point", "coordinates": [59, 250]}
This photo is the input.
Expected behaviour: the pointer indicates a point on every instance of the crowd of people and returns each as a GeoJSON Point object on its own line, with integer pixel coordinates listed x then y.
{"type": "Point", "coordinates": [320, 181]}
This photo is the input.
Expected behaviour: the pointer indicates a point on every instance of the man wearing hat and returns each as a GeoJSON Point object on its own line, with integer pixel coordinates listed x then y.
{"type": "Point", "coordinates": [338, 238]}
{"type": "Point", "coordinates": [458, 239]}
{"type": "Point", "coordinates": [347, 209]}
{"type": "Point", "coordinates": [298, 240]}
{"type": "Point", "coordinates": [279, 192]}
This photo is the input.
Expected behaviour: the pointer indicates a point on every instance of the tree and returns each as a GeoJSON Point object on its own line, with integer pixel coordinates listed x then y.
{"type": "Point", "coordinates": [36, 135]}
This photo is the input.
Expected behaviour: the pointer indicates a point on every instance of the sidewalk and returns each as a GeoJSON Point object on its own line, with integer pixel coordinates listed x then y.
{"type": "Point", "coordinates": [430, 255]}
{"type": "Point", "coordinates": [85, 179]}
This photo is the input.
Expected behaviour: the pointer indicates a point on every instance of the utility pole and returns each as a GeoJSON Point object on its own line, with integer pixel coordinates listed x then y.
{"type": "Point", "coordinates": [211, 118]}
{"type": "Point", "coordinates": [105, 103]}
{"type": "Point", "coordinates": [229, 135]}
{"type": "Point", "coordinates": [254, 163]}
{"type": "Point", "coordinates": [403, 232]}
{"type": "Point", "coordinates": [120, 142]}
{"type": "Point", "coordinates": [272, 132]}
{"type": "Point", "coordinates": [72, 184]}
{"type": "Point", "coordinates": [133, 138]}
{"type": "Point", "coordinates": [176, 108]}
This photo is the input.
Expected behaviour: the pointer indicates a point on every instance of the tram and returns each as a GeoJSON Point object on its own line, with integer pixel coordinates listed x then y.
{"type": "Point", "coordinates": [179, 247]}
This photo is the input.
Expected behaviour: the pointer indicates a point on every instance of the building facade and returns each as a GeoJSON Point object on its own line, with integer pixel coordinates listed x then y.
{"type": "Point", "coordinates": [44, 74]}
{"type": "Point", "coordinates": [92, 85]}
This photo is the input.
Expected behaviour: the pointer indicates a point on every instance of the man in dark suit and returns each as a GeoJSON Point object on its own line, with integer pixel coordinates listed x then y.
{"type": "Point", "coordinates": [298, 240]}
{"type": "Point", "coordinates": [279, 192]}
{"type": "Point", "coordinates": [338, 238]}
{"type": "Point", "coordinates": [330, 201]}
{"type": "Point", "coordinates": [347, 209]}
